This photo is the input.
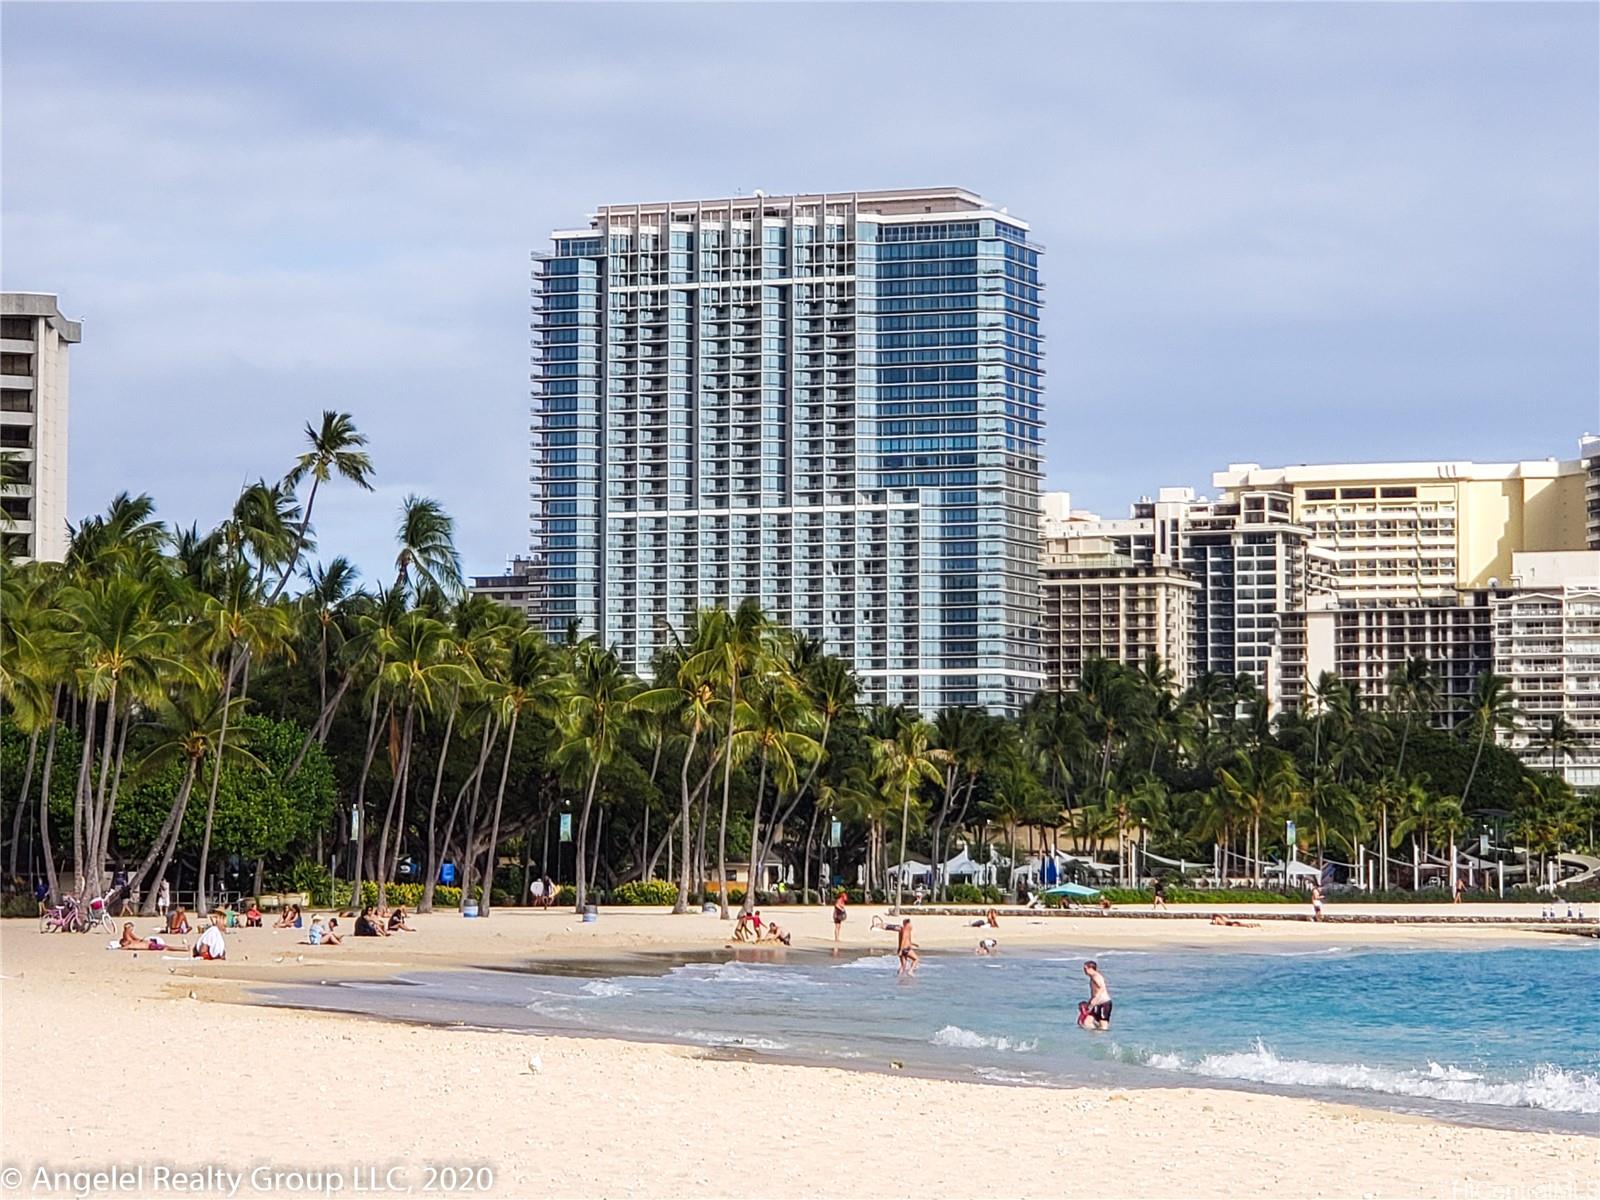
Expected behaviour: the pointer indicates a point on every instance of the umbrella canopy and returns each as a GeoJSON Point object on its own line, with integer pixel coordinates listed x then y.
{"type": "Point", "coordinates": [1075, 890]}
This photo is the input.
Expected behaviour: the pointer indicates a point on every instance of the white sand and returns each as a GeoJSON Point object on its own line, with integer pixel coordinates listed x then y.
{"type": "Point", "coordinates": [112, 1059]}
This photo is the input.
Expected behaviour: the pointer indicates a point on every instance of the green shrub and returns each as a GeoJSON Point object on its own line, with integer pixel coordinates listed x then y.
{"type": "Point", "coordinates": [566, 896]}
{"type": "Point", "coordinates": [313, 880]}
{"type": "Point", "coordinates": [409, 895]}
{"type": "Point", "coordinates": [1178, 895]}
{"type": "Point", "coordinates": [993, 894]}
{"type": "Point", "coordinates": [966, 893]}
{"type": "Point", "coordinates": [18, 904]}
{"type": "Point", "coordinates": [646, 891]}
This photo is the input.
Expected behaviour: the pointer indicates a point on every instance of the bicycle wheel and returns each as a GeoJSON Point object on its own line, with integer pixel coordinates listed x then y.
{"type": "Point", "coordinates": [45, 921]}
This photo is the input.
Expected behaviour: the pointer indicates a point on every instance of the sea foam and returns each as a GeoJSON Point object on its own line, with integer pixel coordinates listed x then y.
{"type": "Point", "coordinates": [954, 1035]}
{"type": "Point", "coordinates": [1545, 1087]}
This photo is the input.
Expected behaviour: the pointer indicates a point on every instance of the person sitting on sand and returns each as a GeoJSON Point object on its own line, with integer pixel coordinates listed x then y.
{"type": "Point", "coordinates": [211, 946]}
{"type": "Point", "coordinates": [993, 918]}
{"type": "Point", "coordinates": [397, 921]}
{"type": "Point", "coordinates": [178, 922]}
{"type": "Point", "coordinates": [776, 934]}
{"type": "Point", "coordinates": [1105, 904]}
{"type": "Point", "coordinates": [132, 941]}
{"type": "Point", "coordinates": [1219, 919]}
{"type": "Point", "coordinates": [368, 925]}
{"type": "Point", "coordinates": [292, 918]}
{"type": "Point", "coordinates": [908, 951]}
{"type": "Point", "coordinates": [987, 946]}
{"type": "Point", "coordinates": [252, 915]}
{"type": "Point", "coordinates": [323, 935]}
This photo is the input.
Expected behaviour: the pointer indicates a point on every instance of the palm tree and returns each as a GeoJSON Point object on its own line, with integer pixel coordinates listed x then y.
{"type": "Point", "coordinates": [903, 761]}
{"type": "Point", "coordinates": [1263, 785]}
{"type": "Point", "coordinates": [1413, 691]}
{"type": "Point", "coordinates": [418, 673]}
{"type": "Point", "coordinates": [427, 548]}
{"type": "Point", "coordinates": [780, 714]}
{"type": "Point", "coordinates": [335, 449]}
{"type": "Point", "coordinates": [593, 708]}
{"type": "Point", "coordinates": [523, 680]}
{"type": "Point", "coordinates": [1489, 711]}
{"type": "Point", "coordinates": [740, 642]}
{"type": "Point", "coordinates": [1561, 739]}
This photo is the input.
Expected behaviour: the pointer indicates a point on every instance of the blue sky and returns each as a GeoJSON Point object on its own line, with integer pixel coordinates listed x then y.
{"type": "Point", "coordinates": [1275, 233]}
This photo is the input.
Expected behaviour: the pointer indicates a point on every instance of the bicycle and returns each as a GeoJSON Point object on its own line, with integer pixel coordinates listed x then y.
{"type": "Point", "coordinates": [66, 917]}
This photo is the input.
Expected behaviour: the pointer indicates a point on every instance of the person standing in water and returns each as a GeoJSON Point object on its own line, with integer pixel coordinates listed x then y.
{"type": "Point", "coordinates": [839, 902]}
{"type": "Point", "coordinates": [1316, 902]}
{"type": "Point", "coordinates": [1098, 1013]}
{"type": "Point", "coordinates": [908, 952]}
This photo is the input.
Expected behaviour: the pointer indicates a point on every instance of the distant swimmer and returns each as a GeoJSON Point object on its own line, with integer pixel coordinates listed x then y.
{"type": "Point", "coordinates": [1095, 1013]}
{"type": "Point", "coordinates": [908, 952]}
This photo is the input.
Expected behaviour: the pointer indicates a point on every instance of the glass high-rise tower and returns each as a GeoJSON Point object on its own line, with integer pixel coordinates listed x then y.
{"type": "Point", "coordinates": [830, 403]}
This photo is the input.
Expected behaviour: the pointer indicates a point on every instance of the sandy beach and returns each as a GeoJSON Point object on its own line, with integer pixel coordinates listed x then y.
{"type": "Point", "coordinates": [156, 1067]}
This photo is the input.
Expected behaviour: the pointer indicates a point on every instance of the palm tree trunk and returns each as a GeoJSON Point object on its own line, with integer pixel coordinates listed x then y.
{"type": "Point", "coordinates": [116, 789]}
{"type": "Point", "coordinates": [433, 806]}
{"type": "Point", "coordinates": [166, 843]}
{"type": "Point", "coordinates": [727, 783]}
{"type": "Point", "coordinates": [80, 797]}
{"type": "Point", "coordinates": [22, 799]}
{"type": "Point", "coordinates": [486, 902]}
{"type": "Point", "coordinates": [96, 815]}
{"type": "Point", "coordinates": [1483, 735]}
{"type": "Point", "coordinates": [905, 825]}
{"type": "Point", "coordinates": [318, 732]}
{"type": "Point", "coordinates": [682, 906]}
{"type": "Point", "coordinates": [211, 800]}
{"type": "Point", "coordinates": [299, 542]}
{"type": "Point", "coordinates": [749, 904]}
{"type": "Point", "coordinates": [396, 789]}
{"type": "Point", "coordinates": [361, 796]}
{"type": "Point", "coordinates": [455, 809]}
{"type": "Point", "coordinates": [582, 844]}
{"type": "Point", "coordinates": [469, 839]}
{"type": "Point", "coordinates": [44, 802]}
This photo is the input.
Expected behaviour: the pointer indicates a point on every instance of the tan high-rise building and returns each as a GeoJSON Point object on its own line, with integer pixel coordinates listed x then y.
{"type": "Point", "coordinates": [1424, 531]}
{"type": "Point", "coordinates": [1098, 603]}
{"type": "Point", "coordinates": [34, 337]}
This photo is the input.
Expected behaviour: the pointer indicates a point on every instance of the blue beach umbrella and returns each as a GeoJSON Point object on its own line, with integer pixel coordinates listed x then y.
{"type": "Point", "coordinates": [1075, 890]}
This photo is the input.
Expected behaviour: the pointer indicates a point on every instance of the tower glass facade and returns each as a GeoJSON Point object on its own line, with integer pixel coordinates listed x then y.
{"type": "Point", "coordinates": [829, 403]}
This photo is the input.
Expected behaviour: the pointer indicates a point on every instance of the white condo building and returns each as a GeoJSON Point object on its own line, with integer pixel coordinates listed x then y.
{"type": "Point", "coordinates": [34, 338]}
{"type": "Point", "coordinates": [1547, 643]}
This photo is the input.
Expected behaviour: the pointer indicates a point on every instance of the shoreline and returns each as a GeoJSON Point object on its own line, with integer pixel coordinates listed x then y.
{"type": "Point", "coordinates": [238, 1082]}
{"type": "Point", "coordinates": [656, 963]}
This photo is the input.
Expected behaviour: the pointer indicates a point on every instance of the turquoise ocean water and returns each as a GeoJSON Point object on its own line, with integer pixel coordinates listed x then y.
{"type": "Point", "coordinates": [1499, 1036]}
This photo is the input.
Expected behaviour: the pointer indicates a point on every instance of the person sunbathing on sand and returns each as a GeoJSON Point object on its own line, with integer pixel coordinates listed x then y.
{"type": "Point", "coordinates": [132, 941]}
{"type": "Point", "coordinates": [880, 923]}
{"type": "Point", "coordinates": [1219, 919]}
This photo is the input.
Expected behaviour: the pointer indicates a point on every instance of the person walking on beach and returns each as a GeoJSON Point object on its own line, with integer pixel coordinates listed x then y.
{"type": "Point", "coordinates": [908, 952]}
{"type": "Point", "coordinates": [1098, 1014]}
{"type": "Point", "coordinates": [1316, 902]}
{"type": "Point", "coordinates": [163, 899]}
{"type": "Point", "coordinates": [838, 914]}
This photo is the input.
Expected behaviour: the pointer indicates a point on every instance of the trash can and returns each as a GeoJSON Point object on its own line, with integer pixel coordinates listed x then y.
{"type": "Point", "coordinates": [469, 909]}
{"type": "Point", "coordinates": [590, 913]}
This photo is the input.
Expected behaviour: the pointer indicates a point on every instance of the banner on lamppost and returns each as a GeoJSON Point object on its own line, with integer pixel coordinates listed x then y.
{"type": "Point", "coordinates": [566, 827]}
{"type": "Point", "coordinates": [835, 832]}
{"type": "Point", "coordinates": [355, 823]}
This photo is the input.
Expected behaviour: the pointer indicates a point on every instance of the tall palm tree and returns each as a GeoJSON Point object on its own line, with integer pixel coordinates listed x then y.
{"type": "Point", "coordinates": [1263, 785]}
{"type": "Point", "coordinates": [1560, 739]}
{"type": "Point", "coordinates": [1490, 711]}
{"type": "Point", "coordinates": [334, 449]}
{"type": "Point", "coordinates": [780, 717]}
{"type": "Point", "coordinates": [1413, 692]}
{"type": "Point", "coordinates": [427, 554]}
{"type": "Point", "coordinates": [525, 678]}
{"type": "Point", "coordinates": [420, 675]}
{"type": "Point", "coordinates": [741, 641]}
{"type": "Point", "coordinates": [904, 761]}
{"type": "Point", "coordinates": [593, 710]}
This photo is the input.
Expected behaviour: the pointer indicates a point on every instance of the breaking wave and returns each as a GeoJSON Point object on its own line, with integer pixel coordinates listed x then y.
{"type": "Point", "coordinates": [1544, 1087]}
{"type": "Point", "coordinates": [954, 1035]}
